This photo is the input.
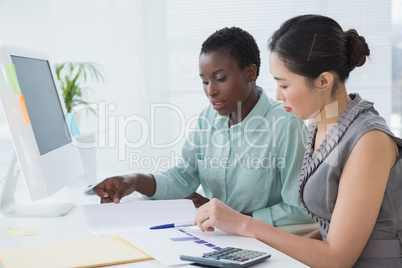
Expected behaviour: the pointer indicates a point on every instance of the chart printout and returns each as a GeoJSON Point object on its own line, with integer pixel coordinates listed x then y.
{"type": "Point", "coordinates": [166, 245]}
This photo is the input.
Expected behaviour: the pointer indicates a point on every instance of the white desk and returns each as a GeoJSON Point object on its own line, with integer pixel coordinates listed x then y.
{"type": "Point", "coordinates": [73, 226]}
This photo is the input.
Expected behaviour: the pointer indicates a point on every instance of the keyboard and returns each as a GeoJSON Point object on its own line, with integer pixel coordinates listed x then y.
{"type": "Point", "coordinates": [228, 257]}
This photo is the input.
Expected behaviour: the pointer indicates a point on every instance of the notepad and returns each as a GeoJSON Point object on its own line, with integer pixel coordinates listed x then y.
{"type": "Point", "coordinates": [90, 252]}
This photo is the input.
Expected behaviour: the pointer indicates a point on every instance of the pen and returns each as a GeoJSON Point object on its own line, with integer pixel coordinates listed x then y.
{"type": "Point", "coordinates": [172, 225]}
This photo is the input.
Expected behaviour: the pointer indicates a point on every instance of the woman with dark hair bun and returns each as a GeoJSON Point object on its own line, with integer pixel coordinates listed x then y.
{"type": "Point", "coordinates": [351, 178]}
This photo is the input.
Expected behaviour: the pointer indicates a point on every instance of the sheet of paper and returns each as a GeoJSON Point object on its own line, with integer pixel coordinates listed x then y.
{"type": "Point", "coordinates": [11, 231]}
{"type": "Point", "coordinates": [166, 245]}
{"type": "Point", "coordinates": [107, 219]}
{"type": "Point", "coordinates": [90, 252]}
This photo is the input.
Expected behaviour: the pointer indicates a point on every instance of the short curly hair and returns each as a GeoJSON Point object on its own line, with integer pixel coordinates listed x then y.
{"type": "Point", "coordinates": [240, 45]}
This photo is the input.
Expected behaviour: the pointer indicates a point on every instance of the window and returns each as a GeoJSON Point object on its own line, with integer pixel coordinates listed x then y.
{"type": "Point", "coordinates": [396, 118]}
{"type": "Point", "coordinates": [189, 23]}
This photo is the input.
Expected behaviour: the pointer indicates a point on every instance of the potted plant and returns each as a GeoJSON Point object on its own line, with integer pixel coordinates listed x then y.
{"type": "Point", "coordinates": [71, 76]}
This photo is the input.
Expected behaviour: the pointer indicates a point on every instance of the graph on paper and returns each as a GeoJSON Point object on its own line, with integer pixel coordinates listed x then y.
{"type": "Point", "coordinates": [166, 245]}
{"type": "Point", "coordinates": [195, 239]}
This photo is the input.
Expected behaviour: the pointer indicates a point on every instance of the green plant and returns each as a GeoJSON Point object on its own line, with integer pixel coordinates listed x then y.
{"type": "Point", "coordinates": [71, 75]}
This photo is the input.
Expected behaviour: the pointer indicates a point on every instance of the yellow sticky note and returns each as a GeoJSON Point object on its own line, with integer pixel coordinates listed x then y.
{"type": "Point", "coordinates": [24, 109]}
{"type": "Point", "coordinates": [20, 231]}
{"type": "Point", "coordinates": [12, 73]}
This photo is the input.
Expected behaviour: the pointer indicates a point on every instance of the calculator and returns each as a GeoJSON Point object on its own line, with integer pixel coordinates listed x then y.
{"type": "Point", "coordinates": [228, 257]}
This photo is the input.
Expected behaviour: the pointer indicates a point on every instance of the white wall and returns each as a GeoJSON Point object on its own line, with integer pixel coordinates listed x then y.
{"type": "Point", "coordinates": [150, 51]}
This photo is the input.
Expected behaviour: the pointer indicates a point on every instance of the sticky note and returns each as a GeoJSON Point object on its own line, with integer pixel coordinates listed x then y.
{"type": "Point", "coordinates": [24, 109]}
{"type": "Point", "coordinates": [13, 77]}
{"type": "Point", "coordinates": [72, 125]}
{"type": "Point", "coordinates": [20, 231]}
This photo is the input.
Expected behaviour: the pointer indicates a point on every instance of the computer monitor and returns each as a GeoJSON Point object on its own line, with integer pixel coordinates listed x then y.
{"type": "Point", "coordinates": [35, 114]}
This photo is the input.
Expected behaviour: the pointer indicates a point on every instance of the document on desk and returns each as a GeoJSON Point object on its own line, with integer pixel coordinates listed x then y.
{"type": "Point", "coordinates": [109, 219]}
{"type": "Point", "coordinates": [166, 245]}
{"type": "Point", "coordinates": [89, 252]}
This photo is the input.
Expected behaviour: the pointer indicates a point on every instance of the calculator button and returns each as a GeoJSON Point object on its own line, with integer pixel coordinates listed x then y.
{"type": "Point", "coordinates": [241, 259]}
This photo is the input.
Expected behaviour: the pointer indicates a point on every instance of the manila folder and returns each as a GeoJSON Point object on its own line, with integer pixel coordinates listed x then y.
{"type": "Point", "coordinates": [89, 252]}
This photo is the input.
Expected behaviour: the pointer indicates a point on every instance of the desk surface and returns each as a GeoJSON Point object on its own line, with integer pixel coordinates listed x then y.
{"type": "Point", "coordinates": [73, 226]}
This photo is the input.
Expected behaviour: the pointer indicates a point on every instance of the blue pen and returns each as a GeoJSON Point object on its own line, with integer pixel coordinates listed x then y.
{"type": "Point", "coordinates": [172, 225]}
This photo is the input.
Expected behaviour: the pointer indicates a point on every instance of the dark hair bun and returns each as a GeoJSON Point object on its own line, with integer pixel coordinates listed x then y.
{"type": "Point", "coordinates": [358, 49]}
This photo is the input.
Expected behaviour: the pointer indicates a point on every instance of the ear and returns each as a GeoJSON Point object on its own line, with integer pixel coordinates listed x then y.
{"type": "Point", "coordinates": [324, 81]}
{"type": "Point", "coordinates": [251, 72]}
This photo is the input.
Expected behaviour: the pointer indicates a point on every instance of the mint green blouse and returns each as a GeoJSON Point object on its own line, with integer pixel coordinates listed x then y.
{"type": "Point", "coordinates": [253, 166]}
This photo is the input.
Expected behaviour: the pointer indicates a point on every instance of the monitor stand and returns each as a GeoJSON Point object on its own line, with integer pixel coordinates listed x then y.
{"type": "Point", "coordinates": [9, 207]}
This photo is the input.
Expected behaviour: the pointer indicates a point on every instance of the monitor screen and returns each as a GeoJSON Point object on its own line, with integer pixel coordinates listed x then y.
{"type": "Point", "coordinates": [42, 102]}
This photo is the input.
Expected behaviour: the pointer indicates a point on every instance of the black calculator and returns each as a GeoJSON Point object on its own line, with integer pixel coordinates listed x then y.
{"type": "Point", "coordinates": [228, 257]}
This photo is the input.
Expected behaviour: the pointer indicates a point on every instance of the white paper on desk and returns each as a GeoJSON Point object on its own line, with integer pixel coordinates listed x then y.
{"type": "Point", "coordinates": [166, 245]}
{"type": "Point", "coordinates": [108, 219]}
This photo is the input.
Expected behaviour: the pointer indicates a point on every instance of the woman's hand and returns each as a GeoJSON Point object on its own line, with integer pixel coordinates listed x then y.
{"type": "Point", "coordinates": [216, 214]}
